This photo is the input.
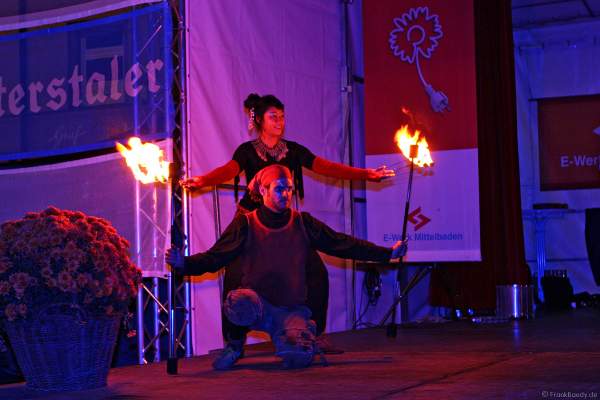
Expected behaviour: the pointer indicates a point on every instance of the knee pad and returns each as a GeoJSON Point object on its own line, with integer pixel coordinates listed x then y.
{"type": "Point", "coordinates": [243, 307]}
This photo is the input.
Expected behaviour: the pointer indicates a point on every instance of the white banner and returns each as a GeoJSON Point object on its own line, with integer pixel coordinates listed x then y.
{"type": "Point", "coordinates": [443, 218]}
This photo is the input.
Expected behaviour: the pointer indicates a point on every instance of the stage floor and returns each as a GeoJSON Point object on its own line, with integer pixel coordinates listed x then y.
{"type": "Point", "coordinates": [553, 356]}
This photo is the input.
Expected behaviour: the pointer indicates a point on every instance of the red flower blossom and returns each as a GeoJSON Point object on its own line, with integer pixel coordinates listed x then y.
{"type": "Point", "coordinates": [11, 311]}
{"type": "Point", "coordinates": [19, 282]}
{"type": "Point", "coordinates": [4, 288]}
{"type": "Point", "coordinates": [22, 309]}
{"type": "Point", "coordinates": [4, 265]}
{"type": "Point", "coordinates": [46, 272]}
{"type": "Point", "coordinates": [64, 277]}
{"type": "Point", "coordinates": [83, 280]}
{"type": "Point", "coordinates": [71, 265]}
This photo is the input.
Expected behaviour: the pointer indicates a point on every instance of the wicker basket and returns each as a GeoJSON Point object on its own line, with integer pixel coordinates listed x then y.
{"type": "Point", "coordinates": [64, 348]}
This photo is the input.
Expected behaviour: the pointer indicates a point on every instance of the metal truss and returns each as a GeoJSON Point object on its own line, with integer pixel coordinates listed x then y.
{"type": "Point", "coordinates": [152, 301]}
{"type": "Point", "coordinates": [166, 310]}
{"type": "Point", "coordinates": [179, 289]}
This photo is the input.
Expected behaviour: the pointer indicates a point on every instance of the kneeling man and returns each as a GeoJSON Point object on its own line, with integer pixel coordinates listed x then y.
{"type": "Point", "coordinates": [272, 244]}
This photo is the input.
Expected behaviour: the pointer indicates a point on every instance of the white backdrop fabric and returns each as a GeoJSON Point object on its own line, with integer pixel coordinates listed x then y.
{"type": "Point", "coordinates": [292, 49]}
{"type": "Point", "coordinates": [555, 62]}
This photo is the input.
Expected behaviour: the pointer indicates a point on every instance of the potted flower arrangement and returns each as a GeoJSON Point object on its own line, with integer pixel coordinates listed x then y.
{"type": "Point", "coordinates": [66, 279]}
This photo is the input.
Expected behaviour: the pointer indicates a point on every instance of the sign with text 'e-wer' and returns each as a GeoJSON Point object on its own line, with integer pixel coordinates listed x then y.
{"type": "Point", "coordinates": [569, 142]}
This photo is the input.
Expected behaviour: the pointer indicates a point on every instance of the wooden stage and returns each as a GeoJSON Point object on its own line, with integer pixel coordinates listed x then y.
{"type": "Point", "coordinates": [553, 356]}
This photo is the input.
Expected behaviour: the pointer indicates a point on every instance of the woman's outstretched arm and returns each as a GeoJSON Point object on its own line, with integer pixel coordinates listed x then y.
{"type": "Point", "coordinates": [336, 170]}
{"type": "Point", "coordinates": [217, 176]}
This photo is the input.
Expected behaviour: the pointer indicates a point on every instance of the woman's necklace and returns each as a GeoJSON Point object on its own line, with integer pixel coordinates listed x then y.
{"type": "Point", "coordinates": [276, 152]}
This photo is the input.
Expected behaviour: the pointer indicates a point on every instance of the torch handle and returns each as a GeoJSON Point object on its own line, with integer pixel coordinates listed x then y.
{"type": "Point", "coordinates": [408, 195]}
{"type": "Point", "coordinates": [391, 330]}
{"type": "Point", "coordinates": [405, 221]}
{"type": "Point", "coordinates": [177, 241]}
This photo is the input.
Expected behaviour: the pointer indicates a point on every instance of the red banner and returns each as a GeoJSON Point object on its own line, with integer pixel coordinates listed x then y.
{"type": "Point", "coordinates": [420, 56]}
{"type": "Point", "coordinates": [420, 72]}
{"type": "Point", "coordinates": [569, 142]}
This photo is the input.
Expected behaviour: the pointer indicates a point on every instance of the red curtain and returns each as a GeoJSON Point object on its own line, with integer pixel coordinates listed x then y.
{"type": "Point", "coordinates": [473, 285]}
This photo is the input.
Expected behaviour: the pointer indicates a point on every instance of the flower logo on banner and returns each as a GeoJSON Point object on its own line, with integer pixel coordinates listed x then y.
{"type": "Point", "coordinates": [417, 34]}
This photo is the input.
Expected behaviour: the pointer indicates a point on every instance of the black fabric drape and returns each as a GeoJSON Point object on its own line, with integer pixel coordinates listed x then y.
{"type": "Point", "coordinates": [473, 285]}
{"type": "Point", "coordinates": [592, 240]}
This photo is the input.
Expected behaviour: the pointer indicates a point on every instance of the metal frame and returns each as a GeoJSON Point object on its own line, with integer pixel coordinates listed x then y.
{"type": "Point", "coordinates": [353, 191]}
{"type": "Point", "coordinates": [540, 217]}
{"type": "Point", "coordinates": [149, 334]}
{"type": "Point", "coordinates": [151, 289]}
{"type": "Point", "coordinates": [178, 290]}
{"type": "Point", "coordinates": [404, 285]}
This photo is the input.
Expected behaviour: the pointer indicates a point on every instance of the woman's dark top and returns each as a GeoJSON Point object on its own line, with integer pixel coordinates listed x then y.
{"type": "Point", "coordinates": [252, 156]}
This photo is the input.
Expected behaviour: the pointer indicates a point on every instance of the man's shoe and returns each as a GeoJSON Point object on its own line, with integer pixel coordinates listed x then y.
{"type": "Point", "coordinates": [296, 359]}
{"type": "Point", "coordinates": [324, 346]}
{"type": "Point", "coordinates": [228, 357]}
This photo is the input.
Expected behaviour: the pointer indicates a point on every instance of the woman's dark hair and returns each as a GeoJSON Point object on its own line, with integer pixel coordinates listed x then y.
{"type": "Point", "coordinates": [260, 105]}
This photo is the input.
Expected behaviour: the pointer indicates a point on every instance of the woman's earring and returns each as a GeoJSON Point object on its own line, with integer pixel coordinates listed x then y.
{"type": "Point", "coordinates": [251, 120]}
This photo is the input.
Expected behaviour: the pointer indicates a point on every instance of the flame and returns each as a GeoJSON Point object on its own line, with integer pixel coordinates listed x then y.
{"type": "Point", "coordinates": [404, 140]}
{"type": "Point", "coordinates": [145, 160]}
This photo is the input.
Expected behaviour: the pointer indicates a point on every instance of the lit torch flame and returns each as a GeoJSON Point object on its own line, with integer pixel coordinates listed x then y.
{"type": "Point", "coordinates": [404, 140]}
{"type": "Point", "coordinates": [145, 160]}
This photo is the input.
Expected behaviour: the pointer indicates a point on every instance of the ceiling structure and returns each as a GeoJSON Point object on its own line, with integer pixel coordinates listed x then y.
{"type": "Point", "coordinates": [529, 14]}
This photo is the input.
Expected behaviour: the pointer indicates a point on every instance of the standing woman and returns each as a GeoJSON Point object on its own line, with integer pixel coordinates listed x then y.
{"type": "Point", "coordinates": [267, 118]}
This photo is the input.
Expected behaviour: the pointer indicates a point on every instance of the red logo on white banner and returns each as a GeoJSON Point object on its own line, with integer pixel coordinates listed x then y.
{"type": "Point", "coordinates": [417, 219]}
